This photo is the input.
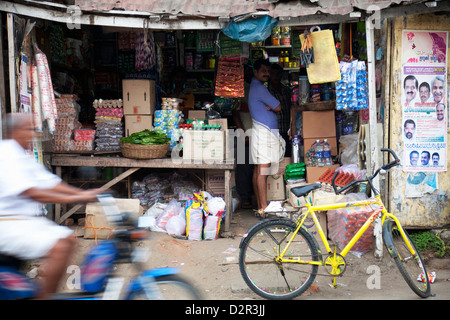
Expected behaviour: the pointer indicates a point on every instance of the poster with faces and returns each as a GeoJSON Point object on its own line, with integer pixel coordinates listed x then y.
{"type": "Point", "coordinates": [424, 100]}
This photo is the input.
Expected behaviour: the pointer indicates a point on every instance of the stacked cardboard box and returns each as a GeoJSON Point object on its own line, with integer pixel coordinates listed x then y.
{"type": "Point", "coordinates": [139, 103]}
{"type": "Point", "coordinates": [319, 125]}
{"type": "Point", "coordinates": [203, 145]}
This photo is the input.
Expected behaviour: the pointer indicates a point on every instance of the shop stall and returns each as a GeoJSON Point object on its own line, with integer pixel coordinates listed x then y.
{"type": "Point", "coordinates": [184, 78]}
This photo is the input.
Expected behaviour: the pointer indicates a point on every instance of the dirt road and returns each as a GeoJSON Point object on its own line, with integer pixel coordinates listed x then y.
{"type": "Point", "coordinates": [212, 266]}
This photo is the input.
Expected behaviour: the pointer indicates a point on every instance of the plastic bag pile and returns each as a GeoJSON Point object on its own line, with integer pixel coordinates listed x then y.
{"type": "Point", "coordinates": [198, 218]}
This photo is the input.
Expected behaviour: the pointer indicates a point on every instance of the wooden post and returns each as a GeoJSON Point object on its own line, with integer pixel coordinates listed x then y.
{"type": "Point", "coordinates": [12, 62]}
{"type": "Point", "coordinates": [373, 126]}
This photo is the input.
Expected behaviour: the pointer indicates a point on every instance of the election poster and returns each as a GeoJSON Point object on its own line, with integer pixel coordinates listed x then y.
{"type": "Point", "coordinates": [424, 100]}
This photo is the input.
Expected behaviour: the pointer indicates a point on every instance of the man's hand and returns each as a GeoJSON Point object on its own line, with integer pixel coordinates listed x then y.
{"type": "Point", "coordinates": [277, 109]}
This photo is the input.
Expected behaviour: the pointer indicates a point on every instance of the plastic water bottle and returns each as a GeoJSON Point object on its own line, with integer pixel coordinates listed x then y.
{"type": "Point", "coordinates": [296, 149]}
{"type": "Point", "coordinates": [327, 153]}
{"type": "Point", "coordinates": [319, 153]}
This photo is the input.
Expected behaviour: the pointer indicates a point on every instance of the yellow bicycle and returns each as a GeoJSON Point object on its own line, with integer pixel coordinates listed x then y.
{"type": "Point", "coordinates": [279, 258]}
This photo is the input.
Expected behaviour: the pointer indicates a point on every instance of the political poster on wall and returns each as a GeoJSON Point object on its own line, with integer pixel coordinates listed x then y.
{"type": "Point", "coordinates": [424, 100]}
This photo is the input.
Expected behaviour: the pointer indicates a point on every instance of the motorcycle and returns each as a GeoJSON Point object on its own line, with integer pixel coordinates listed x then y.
{"type": "Point", "coordinates": [98, 278]}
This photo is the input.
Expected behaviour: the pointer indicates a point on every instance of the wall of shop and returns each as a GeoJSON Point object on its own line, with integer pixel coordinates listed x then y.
{"type": "Point", "coordinates": [422, 206]}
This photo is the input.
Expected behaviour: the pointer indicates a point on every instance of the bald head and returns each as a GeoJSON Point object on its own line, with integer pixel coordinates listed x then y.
{"type": "Point", "coordinates": [19, 126]}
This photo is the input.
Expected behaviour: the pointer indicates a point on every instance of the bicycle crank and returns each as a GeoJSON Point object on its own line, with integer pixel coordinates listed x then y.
{"type": "Point", "coordinates": [335, 264]}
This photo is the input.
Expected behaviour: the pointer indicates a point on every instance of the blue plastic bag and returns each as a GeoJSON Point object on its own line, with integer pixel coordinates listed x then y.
{"type": "Point", "coordinates": [251, 30]}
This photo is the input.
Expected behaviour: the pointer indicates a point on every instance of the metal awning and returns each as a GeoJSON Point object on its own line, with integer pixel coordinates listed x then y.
{"type": "Point", "coordinates": [233, 8]}
{"type": "Point", "coordinates": [212, 14]}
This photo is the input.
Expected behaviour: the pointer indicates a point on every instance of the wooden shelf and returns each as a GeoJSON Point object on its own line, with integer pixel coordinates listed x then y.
{"type": "Point", "coordinates": [315, 106]}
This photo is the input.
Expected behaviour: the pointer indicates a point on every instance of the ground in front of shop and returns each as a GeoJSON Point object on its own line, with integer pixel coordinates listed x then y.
{"type": "Point", "coordinates": [212, 267]}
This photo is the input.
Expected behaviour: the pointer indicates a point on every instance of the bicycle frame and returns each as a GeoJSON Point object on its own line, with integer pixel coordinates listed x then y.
{"type": "Point", "coordinates": [311, 211]}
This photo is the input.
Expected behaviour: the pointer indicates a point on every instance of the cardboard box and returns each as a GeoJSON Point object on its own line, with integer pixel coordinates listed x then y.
{"type": "Point", "coordinates": [97, 225]}
{"type": "Point", "coordinates": [215, 179]}
{"type": "Point", "coordinates": [275, 188]}
{"type": "Point", "coordinates": [197, 114]}
{"type": "Point", "coordinates": [217, 193]}
{"type": "Point", "coordinates": [138, 96]}
{"type": "Point", "coordinates": [331, 140]}
{"type": "Point", "coordinates": [229, 154]}
{"type": "Point", "coordinates": [295, 201]}
{"type": "Point", "coordinates": [203, 145]}
{"type": "Point", "coordinates": [137, 123]}
{"type": "Point", "coordinates": [282, 165]}
{"type": "Point", "coordinates": [309, 223]}
{"type": "Point", "coordinates": [313, 173]}
{"type": "Point", "coordinates": [321, 197]}
{"type": "Point", "coordinates": [318, 124]}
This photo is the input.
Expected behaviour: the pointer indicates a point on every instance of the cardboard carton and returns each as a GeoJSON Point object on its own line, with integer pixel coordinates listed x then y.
{"type": "Point", "coordinates": [318, 124]}
{"type": "Point", "coordinates": [295, 201]}
{"type": "Point", "coordinates": [97, 225]}
{"type": "Point", "coordinates": [275, 188]}
{"type": "Point", "coordinates": [203, 145]}
{"type": "Point", "coordinates": [309, 223]}
{"type": "Point", "coordinates": [138, 96]}
{"type": "Point", "coordinates": [313, 173]}
{"type": "Point", "coordinates": [197, 114]}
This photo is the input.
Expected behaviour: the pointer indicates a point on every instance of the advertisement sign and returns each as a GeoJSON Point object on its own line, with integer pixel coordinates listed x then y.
{"type": "Point", "coordinates": [424, 100]}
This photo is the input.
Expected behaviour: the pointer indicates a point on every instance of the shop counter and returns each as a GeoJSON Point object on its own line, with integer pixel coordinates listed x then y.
{"type": "Point", "coordinates": [133, 165]}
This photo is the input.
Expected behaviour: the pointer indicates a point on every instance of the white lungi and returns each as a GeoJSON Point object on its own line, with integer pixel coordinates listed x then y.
{"type": "Point", "coordinates": [267, 146]}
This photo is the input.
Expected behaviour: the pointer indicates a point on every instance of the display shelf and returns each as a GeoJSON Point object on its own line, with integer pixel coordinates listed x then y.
{"type": "Point", "coordinates": [315, 106]}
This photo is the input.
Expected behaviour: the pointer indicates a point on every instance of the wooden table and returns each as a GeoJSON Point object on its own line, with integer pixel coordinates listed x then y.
{"type": "Point", "coordinates": [69, 160]}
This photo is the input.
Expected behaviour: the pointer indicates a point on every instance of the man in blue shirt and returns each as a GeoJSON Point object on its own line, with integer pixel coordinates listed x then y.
{"type": "Point", "coordinates": [267, 146]}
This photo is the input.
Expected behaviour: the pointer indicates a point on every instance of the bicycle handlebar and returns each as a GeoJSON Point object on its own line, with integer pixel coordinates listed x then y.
{"type": "Point", "coordinates": [391, 164]}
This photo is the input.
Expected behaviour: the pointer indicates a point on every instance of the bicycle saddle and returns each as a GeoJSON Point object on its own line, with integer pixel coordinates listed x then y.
{"type": "Point", "coordinates": [304, 190]}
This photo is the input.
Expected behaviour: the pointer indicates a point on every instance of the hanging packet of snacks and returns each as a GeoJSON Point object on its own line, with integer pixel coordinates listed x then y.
{"type": "Point", "coordinates": [230, 77]}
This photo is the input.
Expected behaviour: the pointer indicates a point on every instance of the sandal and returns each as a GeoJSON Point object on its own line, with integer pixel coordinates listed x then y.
{"type": "Point", "coordinates": [262, 215]}
{"type": "Point", "coordinates": [259, 213]}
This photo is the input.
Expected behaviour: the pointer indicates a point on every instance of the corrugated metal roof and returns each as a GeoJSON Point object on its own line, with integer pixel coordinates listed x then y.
{"type": "Point", "coordinates": [232, 8]}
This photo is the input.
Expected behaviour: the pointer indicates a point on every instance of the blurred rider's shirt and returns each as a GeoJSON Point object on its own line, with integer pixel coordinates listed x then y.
{"type": "Point", "coordinates": [18, 173]}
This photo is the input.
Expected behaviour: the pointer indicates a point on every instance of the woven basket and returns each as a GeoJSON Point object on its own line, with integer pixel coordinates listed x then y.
{"type": "Point", "coordinates": [138, 151]}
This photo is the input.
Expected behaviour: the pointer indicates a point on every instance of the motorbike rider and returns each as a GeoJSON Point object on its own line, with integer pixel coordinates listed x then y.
{"type": "Point", "coordinates": [25, 185]}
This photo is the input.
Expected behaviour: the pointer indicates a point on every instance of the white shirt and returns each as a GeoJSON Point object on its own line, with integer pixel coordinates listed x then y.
{"type": "Point", "coordinates": [19, 172]}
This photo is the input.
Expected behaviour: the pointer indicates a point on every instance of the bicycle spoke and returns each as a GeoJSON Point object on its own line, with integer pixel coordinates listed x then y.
{"type": "Point", "coordinates": [261, 265]}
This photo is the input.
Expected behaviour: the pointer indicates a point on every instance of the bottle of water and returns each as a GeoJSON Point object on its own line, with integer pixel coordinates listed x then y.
{"type": "Point", "coordinates": [296, 149]}
{"type": "Point", "coordinates": [319, 153]}
{"type": "Point", "coordinates": [327, 153]}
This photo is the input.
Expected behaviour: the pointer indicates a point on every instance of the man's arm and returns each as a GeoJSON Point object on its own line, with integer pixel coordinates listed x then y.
{"type": "Point", "coordinates": [61, 193]}
{"type": "Point", "coordinates": [277, 109]}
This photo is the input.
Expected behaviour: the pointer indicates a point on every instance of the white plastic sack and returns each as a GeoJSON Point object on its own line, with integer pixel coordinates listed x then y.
{"type": "Point", "coordinates": [215, 205]}
{"type": "Point", "coordinates": [176, 226]}
{"type": "Point", "coordinates": [156, 210]}
{"type": "Point", "coordinates": [195, 224]}
{"type": "Point", "coordinates": [173, 209]}
{"type": "Point", "coordinates": [210, 230]}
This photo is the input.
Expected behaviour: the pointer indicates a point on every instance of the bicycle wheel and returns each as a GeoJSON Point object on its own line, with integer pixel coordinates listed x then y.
{"type": "Point", "coordinates": [258, 260]}
{"type": "Point", "coordinates": [170, 287]}
{"type": "Point", "coordinates": [410, 265]}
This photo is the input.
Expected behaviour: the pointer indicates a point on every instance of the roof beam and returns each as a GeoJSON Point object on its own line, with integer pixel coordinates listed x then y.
{"type": "Point", "coordinates": [74, 18]}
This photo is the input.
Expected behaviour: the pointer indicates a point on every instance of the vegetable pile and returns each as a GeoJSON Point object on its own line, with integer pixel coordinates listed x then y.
{"type": "Point", "coordinates": [146, 137]}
